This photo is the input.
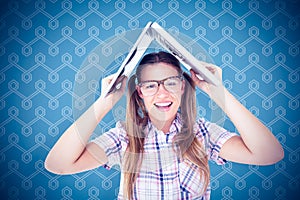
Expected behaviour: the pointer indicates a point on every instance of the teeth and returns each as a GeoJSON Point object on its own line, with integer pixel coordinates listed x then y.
{"type": "Point", "coordinates": [163, 104]}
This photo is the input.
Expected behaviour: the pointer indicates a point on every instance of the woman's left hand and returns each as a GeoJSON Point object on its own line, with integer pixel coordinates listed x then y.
{"type": "Point", "coordinates": [206, 87]}
{"type": "Point", "coordinates": [256, 144]}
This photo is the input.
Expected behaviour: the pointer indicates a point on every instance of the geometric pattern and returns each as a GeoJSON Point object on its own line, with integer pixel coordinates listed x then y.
{"type": "Point", "coordinates": [49, 49]}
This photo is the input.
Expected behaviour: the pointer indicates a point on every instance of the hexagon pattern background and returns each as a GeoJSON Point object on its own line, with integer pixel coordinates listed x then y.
{"type": "Point", "coordinates": [54, 53]}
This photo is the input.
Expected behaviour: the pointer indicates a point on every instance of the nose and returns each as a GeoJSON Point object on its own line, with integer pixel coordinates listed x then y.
{"type": "Point", "coordinates": [161, 90]}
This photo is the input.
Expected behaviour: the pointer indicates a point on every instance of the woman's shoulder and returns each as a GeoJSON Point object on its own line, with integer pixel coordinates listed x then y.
{"type": "Point", "coordinates": [201, 127]}
{"type": "Point", "coordinates": [117, 131]}
{"type": "Point", "coordinates": [201, 121]}
{"type": "Point", "coordinates": [120, 124]}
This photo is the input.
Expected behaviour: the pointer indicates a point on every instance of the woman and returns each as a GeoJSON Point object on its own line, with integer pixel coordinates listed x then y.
{"type": "Point", "coordinates": [163, 150]}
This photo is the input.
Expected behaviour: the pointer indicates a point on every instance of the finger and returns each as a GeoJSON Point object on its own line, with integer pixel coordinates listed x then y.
{"type": "Point", "coordinates": [193, 73]}
{"type": "Point", "coordinates": [106, 81]}
{"type": "Point", "coordinates": [200, 83]}
{"type": "Point", "coordinates": [121, 82]}
{"type": "Point", "coordinates": [195, 76]}
{"type": "Point", "coordinates": [124, 81]}
{"type": "Point", "coordinates": [211, 69]}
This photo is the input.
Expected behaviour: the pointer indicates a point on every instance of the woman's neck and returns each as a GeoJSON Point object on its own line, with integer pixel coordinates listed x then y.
{"type": "Point", "coordinates": [163, 126]}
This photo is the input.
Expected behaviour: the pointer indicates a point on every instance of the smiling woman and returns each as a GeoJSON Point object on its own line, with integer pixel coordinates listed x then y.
{"type": "Point", "coordinates": [162, 149]}
{"type": "Point", "coordinates": [160, 86]}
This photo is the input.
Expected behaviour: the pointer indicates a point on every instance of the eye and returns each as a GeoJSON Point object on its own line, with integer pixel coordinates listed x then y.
{"type": "Point", "coordinates": [150, 85]}
{"type": "Point", "coordinates": [172, 82]}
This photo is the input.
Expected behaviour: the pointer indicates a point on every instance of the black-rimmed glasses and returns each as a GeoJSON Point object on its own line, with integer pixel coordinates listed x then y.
{"type": "Point", "coordinates": [171, 84]}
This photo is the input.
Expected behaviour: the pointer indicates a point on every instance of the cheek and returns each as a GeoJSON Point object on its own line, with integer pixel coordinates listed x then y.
{"type": "Point", "coordinates": [182, 87]}
{"type": "Point", "coordinates": [179, 99]}
{"type": "Point", "coordinates": [147, 103]}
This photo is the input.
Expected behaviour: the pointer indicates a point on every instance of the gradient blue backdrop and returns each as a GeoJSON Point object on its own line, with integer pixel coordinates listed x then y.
{"type": "Point", "coordinates": [43, 45]}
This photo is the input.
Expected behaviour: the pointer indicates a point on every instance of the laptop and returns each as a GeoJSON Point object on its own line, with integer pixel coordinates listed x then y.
{"type": "Point", "coordinates": [153, 31]}
{"type": "Point", "coordinates": [131, 60]}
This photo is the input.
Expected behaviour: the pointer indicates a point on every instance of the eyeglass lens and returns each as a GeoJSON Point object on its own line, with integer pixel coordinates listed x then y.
{"type": "Point", "coordinates": [171, 84]}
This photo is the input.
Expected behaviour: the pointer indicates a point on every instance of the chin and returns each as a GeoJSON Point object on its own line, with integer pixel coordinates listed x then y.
{"type": "Point", "coordinates": [164, 116]}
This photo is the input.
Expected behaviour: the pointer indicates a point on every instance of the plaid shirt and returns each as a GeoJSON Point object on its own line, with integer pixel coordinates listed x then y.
{"type": "Point", "coordinates": [162, 174]}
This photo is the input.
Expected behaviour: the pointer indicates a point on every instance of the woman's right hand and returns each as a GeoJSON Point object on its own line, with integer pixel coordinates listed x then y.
{"type": "Point", "coordinates": [114, 96]}
{"type": "Point", "coordinates": [72, 153]}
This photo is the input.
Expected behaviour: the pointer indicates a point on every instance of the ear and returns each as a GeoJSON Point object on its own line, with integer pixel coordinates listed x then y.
{"type": "Point", "coordinates": [139, 92]}
{"type": "Point", "coordinates": [182, 87]}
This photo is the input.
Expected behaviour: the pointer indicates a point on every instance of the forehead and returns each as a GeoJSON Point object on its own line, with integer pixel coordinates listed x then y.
{"type": "Point", "coordinates": [158, 71]}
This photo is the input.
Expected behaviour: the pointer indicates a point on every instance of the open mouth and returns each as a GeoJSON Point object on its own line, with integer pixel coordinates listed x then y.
{"type": "Point", "coordinates": [164, 106]}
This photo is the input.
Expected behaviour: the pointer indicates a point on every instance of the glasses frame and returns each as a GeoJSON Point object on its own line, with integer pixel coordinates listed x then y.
{"type": "Point", "coordinates": [160, 82]}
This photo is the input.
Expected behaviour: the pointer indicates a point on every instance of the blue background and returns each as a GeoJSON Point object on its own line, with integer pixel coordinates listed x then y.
{"type": "Point", "coordinates": [43, 48]}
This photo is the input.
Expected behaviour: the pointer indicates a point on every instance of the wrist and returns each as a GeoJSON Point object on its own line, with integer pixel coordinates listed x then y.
{"type": "Point", "coordinates": [101, 107]}
{"type": "Point", "coordinates": [219, 95]}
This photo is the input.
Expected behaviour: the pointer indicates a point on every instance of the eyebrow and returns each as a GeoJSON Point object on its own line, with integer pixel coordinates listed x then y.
{"type": "Point", "coordinates": [175, 76]}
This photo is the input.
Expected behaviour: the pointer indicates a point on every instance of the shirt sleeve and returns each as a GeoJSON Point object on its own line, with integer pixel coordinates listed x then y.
{"type": "Point", "coordinates": [113, 143]}
{"type": "Point", "coordinates": [214, 137]}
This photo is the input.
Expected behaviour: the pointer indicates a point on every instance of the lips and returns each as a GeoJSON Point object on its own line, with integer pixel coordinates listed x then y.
{"type": "Point", "coordinates": [163, 106]}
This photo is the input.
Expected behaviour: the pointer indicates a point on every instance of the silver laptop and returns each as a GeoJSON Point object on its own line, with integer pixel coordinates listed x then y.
{"type": "Point", "coordinates": [153, 31]}
{"type": "Point", "coordinates": [131, 60]}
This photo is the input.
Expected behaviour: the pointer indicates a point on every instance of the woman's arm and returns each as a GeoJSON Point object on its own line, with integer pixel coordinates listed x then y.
{"type": "Point", "coordinates": [256, 144]}
{"type": "Point", "coordinates": [72, 153]}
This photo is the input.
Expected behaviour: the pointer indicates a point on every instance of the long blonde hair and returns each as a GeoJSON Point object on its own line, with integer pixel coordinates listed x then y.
{"type": "Point", "coordinates": [136, 120]}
